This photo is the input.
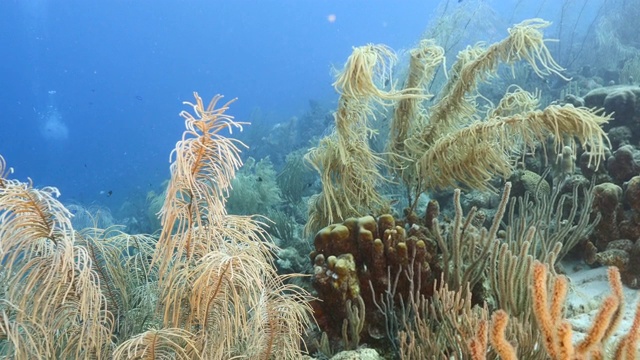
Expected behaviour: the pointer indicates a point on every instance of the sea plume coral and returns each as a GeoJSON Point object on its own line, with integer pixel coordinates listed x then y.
{"type": "Point", "coordinates": [450, 143]}
{"type": "Point", "coordinates": [206, 289]}
{"type": "Point", "coordinates": [217, 278]}
{"type": "Point", "coordinates": [51, 305]}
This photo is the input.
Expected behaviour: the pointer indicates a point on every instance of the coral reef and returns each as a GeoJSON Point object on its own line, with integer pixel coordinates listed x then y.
{"type": "Point", "coordinates": [372, 259]}
{"type": "Point", "coordinates": [449, 143]}
{"type": "Point", "coordinates": [394, 263]}
{"type": "Point", "coordinates": [205, 288]}
{"type": "Point", "coordinates": [557, 332]}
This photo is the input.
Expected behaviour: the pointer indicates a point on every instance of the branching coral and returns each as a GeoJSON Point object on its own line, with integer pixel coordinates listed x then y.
{"type": "Point", "coordinates": [51, 304]}
{"type": "Point", "coordinates": [207, 288]}
{"type": "Point", "coordinates": [453, 142]}
{"type": "Point", "coordinates": [216, 270]}
{"type": "Point", "coordinates": [456, 148]}
{"type": "Point", "coordinates": [447, 144]}
{"type": "Point", "coordinates": [409, 112]}
{"type": "Point", "coordinates": [347, 165]}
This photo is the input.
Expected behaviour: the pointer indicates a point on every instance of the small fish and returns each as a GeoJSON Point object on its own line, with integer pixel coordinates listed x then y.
{"type": "Point", "coordinates": [259, 178]}
{"type": "Point", "coordinates": [109, 193]}
{"type": "Point", "coordinates": [139, 97]}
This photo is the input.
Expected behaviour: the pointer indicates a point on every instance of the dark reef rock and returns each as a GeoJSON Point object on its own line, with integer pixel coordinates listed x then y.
{"type": "Point", "coordinates": [588, 169]}
{"type": "Point", "coordinates": [623, 101]}
{"type": "Point", "coordinates": [624, 164]}
{"type": "Point", "coordinates": [573, 100]}
{"type": "Point", "coordinates": [607, 200]}
{"type": "Point", "coordinates": [620, 136]}
{"type": "Point", "coordinates": [616, 238]}
{"type": "Point", "coordinates": [609, 76]}
{"type": "Point", "coordinates": [632, 194]}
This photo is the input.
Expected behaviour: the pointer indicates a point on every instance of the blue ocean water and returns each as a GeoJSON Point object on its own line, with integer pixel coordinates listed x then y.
{"type": "Point", "coordinates": [91, 90]}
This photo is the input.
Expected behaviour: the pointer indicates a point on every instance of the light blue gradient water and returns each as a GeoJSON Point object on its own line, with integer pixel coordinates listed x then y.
{"type": "Point", "coordinates": [90, 91]}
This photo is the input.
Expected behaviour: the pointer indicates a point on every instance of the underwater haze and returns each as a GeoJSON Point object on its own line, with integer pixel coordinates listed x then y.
{"type": "Point", "coordinates": [91, 91]}
{"type": "Point", "coordinates": [319, 179]}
